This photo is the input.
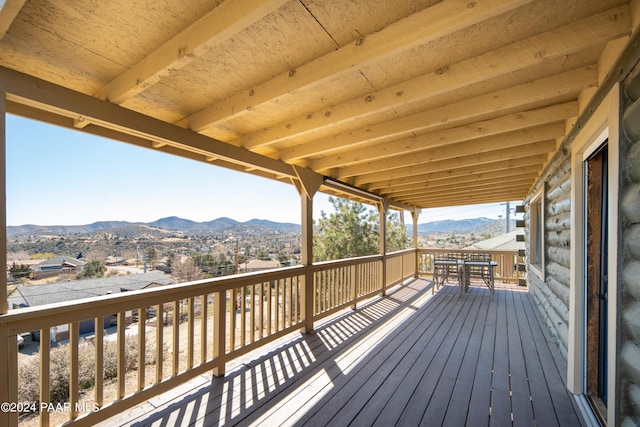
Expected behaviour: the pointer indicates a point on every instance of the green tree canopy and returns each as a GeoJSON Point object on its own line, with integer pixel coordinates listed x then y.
{"type": "Point", "coordinates": [93, 268]}
{"type": "Point", "coordinates": [19, 271]}
{"type": "Point", "coordinates": [353, 230]}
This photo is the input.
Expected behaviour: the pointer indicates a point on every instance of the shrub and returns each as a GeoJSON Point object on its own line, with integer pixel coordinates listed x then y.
{"type": "Point", "coordinates": [29, 373]}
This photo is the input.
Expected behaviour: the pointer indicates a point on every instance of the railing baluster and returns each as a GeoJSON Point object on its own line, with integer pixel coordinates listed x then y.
{"type": "Point", "coordinates": [176, 338]}
{"type": "Point", "coordinates": [285, 303]}
{"type": "Point", "coordinates": [74, 391]}
{"type": "Point", "coordinates": [243, 316]}
{"type": "Point", "coordinates": [219, 333]}
{"type": "Point", "coordinates": [294, 285]}
{"type": "Point", "coordinates": [252, 312]}
{"type": "Point", "coordinates": [261, 309]}
{"type": "Point", "coordinates": [142, 319]}
{"type": "Point", "coordinates": [159, 341]}
{"type": "Point", "coordinates": [204, 318]}
{"type": "Point", "coordinates": [120, 341]}
{"type": "Point", "coordinates": [233, 309]}
{"type": "Point", "coordinates": [269, 307]}
{"type": "Point", "coordinates": [45, 358]}
{"type": "Point", "coordinates": [353, 272]}
{"type": "Point", "coordinates": [98, 344]}
{"type": "Point", "coordinates": [190, 333]}
{"type": "Point", "coordinates": [277, 302]}
{"type": "Point", "coordinates": [12, 374]}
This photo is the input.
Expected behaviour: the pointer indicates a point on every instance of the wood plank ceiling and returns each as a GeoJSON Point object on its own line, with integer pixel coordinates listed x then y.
{"type": "Point", "coordinates": [427, 103]}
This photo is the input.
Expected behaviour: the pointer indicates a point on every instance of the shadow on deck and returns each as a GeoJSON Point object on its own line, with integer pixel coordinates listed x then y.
{"type": "Point", "coordinates": [409, 358]}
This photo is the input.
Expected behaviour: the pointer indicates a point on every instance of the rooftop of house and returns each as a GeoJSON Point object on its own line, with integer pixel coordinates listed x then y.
{"type": "Point", "coordinates": [33, 295]}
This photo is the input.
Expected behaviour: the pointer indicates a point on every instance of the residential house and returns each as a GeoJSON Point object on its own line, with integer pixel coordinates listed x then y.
{"type": "Point", "coordinates": [72, 290]}
{"type": "Point", "coordinates": [258, 265]}
{"type": "Point", "coordinates": [403, 105]}
{"type": "Point", "coordinates": [57, 265]}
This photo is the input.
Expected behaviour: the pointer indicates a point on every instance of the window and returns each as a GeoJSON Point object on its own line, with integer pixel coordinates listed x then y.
{"type": "Point", "coordinates": [536, 230]}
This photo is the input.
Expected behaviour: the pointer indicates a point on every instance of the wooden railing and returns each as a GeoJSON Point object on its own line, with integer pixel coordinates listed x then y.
{"type": "Point", "coordinates": [185, 330]}
{"type": "Point", "coordinates": [505, 272]}
{"type": "Point", "coordinates": [168, 335]}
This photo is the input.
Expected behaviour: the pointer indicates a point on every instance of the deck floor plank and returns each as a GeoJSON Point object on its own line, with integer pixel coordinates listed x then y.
{"type": "Point", "coordinates": [409, 381]}
{"type": "Point", "coordinates": [355, 392]}
{"type": "Point", "coordinates": [562, 403]}
{"type": "Point", "coordinates": [519, 376]}
{"type": "Point", "coordinates": [500, 382]}
{"type": "Point", "coordinates": [540, 397]}
{"type": "Point", "coordinates": [437, 394]}
{"type": "Point", "coordinates": [458, 405]}
{"type": "Point", "coordinates": [405, 359]}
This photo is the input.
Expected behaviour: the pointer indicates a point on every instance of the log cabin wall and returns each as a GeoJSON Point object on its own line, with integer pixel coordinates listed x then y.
{"type": "Point", "coordinates": [551, 291]}
{"type": "Point", "coordinates": [630, 263]}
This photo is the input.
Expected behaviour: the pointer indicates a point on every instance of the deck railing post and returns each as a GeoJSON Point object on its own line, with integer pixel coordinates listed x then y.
{"type": "Point", "coordinates": [307, 187]}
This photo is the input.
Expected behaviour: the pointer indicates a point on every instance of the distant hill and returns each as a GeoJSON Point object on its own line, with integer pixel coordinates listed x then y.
{"type": "Point", "coordinates": [175, 224]}
{"type": "Point", "coordinates": [449, 225]}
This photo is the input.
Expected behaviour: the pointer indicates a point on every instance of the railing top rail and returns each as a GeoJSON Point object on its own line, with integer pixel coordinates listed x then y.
{"type": "Point", "coordinates": [345, 262]}
{"type": "Point", "coordinates": [37, 317]}
{"type": "Point", "coordinates": [400, 252]}
{"type": "Point", "coordinates": [470, 251]}
{"type": "Point", "coordinates": [32, 318]}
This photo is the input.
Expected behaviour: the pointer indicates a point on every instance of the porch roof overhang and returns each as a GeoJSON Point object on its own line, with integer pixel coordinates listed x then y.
{"type": "Point", "coordinates": [422, 103]}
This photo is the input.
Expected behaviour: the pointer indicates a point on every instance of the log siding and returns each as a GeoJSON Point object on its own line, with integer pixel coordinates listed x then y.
{"type": "Point", "coordinates": [629, 204]}
{"type": "Point", "coordinates": [551, 294]}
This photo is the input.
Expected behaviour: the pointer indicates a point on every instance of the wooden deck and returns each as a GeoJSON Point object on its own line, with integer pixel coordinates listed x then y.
{"type": "Point", "coordinates": [407, 359]}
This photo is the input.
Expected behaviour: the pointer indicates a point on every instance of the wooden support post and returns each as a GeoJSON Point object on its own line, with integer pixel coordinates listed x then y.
{"type": "Point", "coordinates": [4, 305]}
{"type": "Point", "coordinates": [307, 288]}
{"type": "Point", "coordinates": [414, 216]}
{"type": "Point", "coordinates": [307, 184]}
{"type": "Point", "coordinates": [383, 208]}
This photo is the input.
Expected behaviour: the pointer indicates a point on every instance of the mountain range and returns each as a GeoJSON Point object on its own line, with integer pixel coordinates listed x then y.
{"type": "Point", "coordinates": [173, 223]}
{"type": "Point", "coordinates": [449, 225]}
{"type": "Point", "coordinates": [219, 225]}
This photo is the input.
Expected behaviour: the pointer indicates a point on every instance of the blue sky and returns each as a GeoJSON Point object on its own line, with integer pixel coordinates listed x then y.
{"type": "Point", "coordinates": [57, 176]}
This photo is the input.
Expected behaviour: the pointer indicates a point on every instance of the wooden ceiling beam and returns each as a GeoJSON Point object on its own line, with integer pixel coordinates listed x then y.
{"type": "Point", "coordinates": [473, 131]}
{"type": "Point", "coordinates": [558, 43]}
{"type": "Point", "coordinates": [556, 89]}
{"type": "Point", "coordinates": [421, 27]}
{"type": "Point", "coordinates": [524, 184]}
{"type": "Point", "coordinates": [8, 12]}
{"type": "Point", "coordinates": [471, 180]}
{"type": "Point", "coordinates": [502, 142]}
{"type": "Point", "coordinates": [470, 199]}
{"type": "Point", "coordinates": [220, 24]}
{"type": "Point", "coordinates": [524, 152]}
{"type": "Point", "coordinates": [53, 99]}
{"type": "Point", "coordinates": [535, 162]}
